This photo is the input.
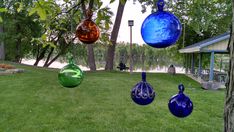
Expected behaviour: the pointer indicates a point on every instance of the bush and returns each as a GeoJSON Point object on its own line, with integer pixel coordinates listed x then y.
{"type": "Point", "coordinates": [6, 66]}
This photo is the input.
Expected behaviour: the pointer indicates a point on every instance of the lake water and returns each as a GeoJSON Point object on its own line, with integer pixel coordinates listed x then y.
{"type": "Point", "coordinates": [59, 65]}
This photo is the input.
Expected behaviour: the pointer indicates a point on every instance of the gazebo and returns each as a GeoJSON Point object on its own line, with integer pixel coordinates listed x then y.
{"type": "Point", "coordinates": [214, 45]}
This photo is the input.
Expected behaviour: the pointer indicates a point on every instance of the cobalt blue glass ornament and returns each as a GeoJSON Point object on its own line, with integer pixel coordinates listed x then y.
{"type": "Point", "coordinates": [161, 29]}
{"type": "Point", "coordinates": [180, 105]}
{"type": "Point", "coordinates": [143, 93]}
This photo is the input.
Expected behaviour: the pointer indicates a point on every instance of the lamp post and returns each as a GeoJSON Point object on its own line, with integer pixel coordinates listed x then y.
{"type": "Point", "coordinates": [130, 24]}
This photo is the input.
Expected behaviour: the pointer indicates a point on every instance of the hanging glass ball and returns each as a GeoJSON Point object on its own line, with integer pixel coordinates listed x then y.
{"type": "Point", "coordinates": [70, 75]}
{"type": "Point", "coordinates": [161, 29]}
{"type": "Point", "coordinates": [87, 31]}
{"type": "Point", "coordinates": [143, 93]}
{"type": "Point", "coordinates": [180, 105]}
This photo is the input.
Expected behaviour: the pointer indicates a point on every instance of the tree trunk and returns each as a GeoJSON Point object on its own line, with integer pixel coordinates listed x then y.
{"type": "Point", "coordinates": [91, 58]}
{"type": "Point", "coordinates": [229, 103]}
{"type": "Point", "coordinates": [48, 57]}
{"type": "Point", "coordinates": [51, 61]}
{"type": "Point", "coordinates": [114, 34]}
{"type": "Point", "coordinates": [18, 50]}
{"type": "Point", "coordinates": [18, 45]}
{"type": "Point", "coordinates": [40, 55]}
{"type": "Point", "coordinates": [2, 49]}
{"type": "Point", "coordinates": [63, 46]}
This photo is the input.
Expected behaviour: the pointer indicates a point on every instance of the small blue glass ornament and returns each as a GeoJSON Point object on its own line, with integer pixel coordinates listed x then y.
{"type": "Point", "coordinates": [180, 105]}
{"type": "Point", "coordinates": [143, 93]}
{"type": "Point", "coordinates": [161, 29]}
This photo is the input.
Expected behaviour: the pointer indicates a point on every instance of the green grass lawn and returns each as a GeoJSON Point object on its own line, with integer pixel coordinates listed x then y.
{"type": "Point", "coordinates": [34, 101]}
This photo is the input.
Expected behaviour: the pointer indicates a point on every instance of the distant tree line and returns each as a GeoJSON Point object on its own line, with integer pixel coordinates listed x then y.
{"type": "Point", "coordinates": [144, 56]}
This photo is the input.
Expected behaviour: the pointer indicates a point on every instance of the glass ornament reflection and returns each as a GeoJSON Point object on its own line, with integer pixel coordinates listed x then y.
{"type": "Point", "coordinates": [180, 105]}
{"type": "Point", "coordinates": [87, 31]}
{"type": "Point", "coordinates": [143, 93]}
{"type": "Point", "coordinates": [161, 29]}
{"type": "Point", "coordinates": [70, 75]}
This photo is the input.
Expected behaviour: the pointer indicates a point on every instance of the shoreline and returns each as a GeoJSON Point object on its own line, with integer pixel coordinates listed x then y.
{"type": "Point", "coordinates": [59, 65]}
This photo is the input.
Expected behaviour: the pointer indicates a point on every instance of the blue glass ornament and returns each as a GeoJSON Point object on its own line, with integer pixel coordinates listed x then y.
{"type": "Point", "coordinates": [143, 93]}
{"type": "Point", "coordinates": [180, 105]}
{"type": "Point", "coordinates": [161, 29]}
{"type": "Point", "coordinates": [70, 75]}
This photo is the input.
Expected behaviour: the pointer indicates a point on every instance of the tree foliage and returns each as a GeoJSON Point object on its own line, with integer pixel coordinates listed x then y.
{"type": "Point", "coordinates": [18, 29]}
{"type": "Point", "coordinates": [57, 22]}
{"type": "Point", "coordinates": [49, 25]}
{"type": "Point", "coordinates": [65, 18]}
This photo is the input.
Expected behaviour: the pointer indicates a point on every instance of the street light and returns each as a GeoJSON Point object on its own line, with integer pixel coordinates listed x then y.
{"type": "Point", "coordinates": [130, 24]}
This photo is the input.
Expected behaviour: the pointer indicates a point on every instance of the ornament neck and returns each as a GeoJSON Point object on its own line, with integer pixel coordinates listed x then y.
{"type": "Point", "coordinates": [181, 88]}
{"type": "Point", "coordinates": [143, 75]}
{"type": "Point", "coordinates": [160, 5]}
{"type": "Point", "coordinates": [70, 59]}
{"type": "Point", "coordinates": [89, 14]}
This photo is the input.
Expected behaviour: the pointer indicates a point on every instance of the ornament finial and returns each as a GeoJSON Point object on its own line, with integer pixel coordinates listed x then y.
{"type": "Point", "coordinates": [160, 5]}
{"type": "Point", "coordinates": [181, 88]}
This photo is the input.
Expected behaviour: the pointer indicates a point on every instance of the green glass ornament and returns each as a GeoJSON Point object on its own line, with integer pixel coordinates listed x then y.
{"type": "Point", "coordinates": [70, 75]}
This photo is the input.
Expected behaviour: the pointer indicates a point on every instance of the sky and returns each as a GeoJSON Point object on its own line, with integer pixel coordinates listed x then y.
{"type": "Point", "coordinates": [131, 12]}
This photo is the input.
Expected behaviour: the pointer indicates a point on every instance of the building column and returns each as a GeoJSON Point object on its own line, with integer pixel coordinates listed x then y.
{"type": "Point", "coordinates": [200, 65]}
{"type": "Point", "coordinates": [192, 64]}
{"type": "Point", "coordinates": [211, 78]}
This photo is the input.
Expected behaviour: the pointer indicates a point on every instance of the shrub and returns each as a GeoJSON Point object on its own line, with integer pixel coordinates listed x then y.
{"type": "Point", "coordinates": [6, 66]}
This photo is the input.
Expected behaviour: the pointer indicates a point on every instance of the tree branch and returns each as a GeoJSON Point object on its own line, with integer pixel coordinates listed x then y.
{"type": "Point", "coordinates": [83, 8]}
{"type": "Point", "coordinates": [91, 4]}
{"type": "Point", "coordinates": [48, 57]}
{"type": "Point", "coordinates": [229, 41]}
{"type": "Point", "coordinates": [69, 10]}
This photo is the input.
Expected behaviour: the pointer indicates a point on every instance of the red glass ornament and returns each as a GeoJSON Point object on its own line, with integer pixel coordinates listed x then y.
{"type": "Point", "coordinates": [87, 31]}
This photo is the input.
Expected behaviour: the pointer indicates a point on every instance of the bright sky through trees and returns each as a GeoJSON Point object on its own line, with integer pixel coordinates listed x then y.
{"type": "Point", "coordinates": [131, 12]}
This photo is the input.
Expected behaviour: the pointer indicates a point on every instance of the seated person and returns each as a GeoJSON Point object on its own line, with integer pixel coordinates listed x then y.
{"type": "Point", "coordinates": [122, 66]}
